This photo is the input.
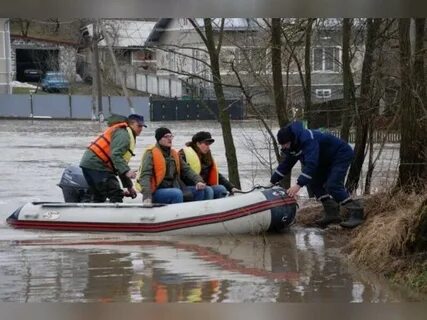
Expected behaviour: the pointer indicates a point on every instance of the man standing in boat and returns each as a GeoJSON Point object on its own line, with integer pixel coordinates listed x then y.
{"type": "Point", "coordinates": [161, 171]}
{"type": "Point", "coordinates": [197, 154]}
{"type": "Point", "coordinates": [325, 160]}
{"type": "Point", "coordinates": [108, 156]}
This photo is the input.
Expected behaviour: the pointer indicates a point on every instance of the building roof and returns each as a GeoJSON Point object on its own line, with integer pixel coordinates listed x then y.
{"type": "Point", "coordinates": [230, 24]}
{"type": "Point", "coordinates": [127, 33]}
{"type": "Point", "coordinates": [55, 41]}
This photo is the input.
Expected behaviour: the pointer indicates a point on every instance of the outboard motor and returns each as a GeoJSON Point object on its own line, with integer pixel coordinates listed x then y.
{"type": "Point", "coordinates": [73, 184]}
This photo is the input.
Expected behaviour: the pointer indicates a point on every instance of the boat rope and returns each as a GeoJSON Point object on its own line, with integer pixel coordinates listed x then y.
{"type": "Point", "coordinates": [256, 187]}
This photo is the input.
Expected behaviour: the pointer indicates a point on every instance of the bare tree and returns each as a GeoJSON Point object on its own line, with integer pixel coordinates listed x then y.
{"type": "Point", "coordinates": [412, 161]}
{"type": "Point", "coordinates": [348, 83]}
{"type": "Point", "coordinates": [276, 68]}
{"type": "Point", "coordinates": [363, 114]}
{"type": "Point", "coordinates": [307, 70]}
{"type": "Point", "coordinates": [214, 51]}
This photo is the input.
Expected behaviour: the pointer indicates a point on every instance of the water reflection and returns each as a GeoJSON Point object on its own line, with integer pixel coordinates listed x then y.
{"type": "Point", "coordinates": [295, 267]}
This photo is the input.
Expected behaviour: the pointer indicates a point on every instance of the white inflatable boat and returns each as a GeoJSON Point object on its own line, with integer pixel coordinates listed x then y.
{"type": "Point", "coordinates": [255, 212]}
{"type": "Point", "coordinates": [258, 211]}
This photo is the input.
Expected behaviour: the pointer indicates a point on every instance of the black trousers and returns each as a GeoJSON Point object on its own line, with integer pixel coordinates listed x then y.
{"type": "Point", "coordinates": [103, 185]}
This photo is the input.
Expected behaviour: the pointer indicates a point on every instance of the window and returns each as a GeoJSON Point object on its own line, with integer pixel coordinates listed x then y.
{"type": "Point", "coordinates": [326, 59]}
{"type": "Point", "coordinates": [323, 93]}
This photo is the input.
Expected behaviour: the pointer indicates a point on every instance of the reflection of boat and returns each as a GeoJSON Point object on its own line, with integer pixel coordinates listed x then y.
{"type": "Point", "coordinates": [258, 211]}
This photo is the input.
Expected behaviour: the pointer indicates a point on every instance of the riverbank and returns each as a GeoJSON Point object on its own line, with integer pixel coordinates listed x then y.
{"type": "Point", "coordinates": [384, 244]}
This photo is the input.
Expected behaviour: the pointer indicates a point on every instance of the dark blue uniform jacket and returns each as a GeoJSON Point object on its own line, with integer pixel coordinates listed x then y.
{"type": "Point", "coordinates": [316, 151]}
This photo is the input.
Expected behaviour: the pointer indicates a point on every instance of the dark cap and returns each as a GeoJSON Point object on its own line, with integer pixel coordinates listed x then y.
{"type": "Point", "coordinates": [285, 135]}
{"type": "Point", "coordinates": [138, 118]}
{"type": "Point", "coordinates": [161, 132]}
{"type": "Point", "coordinates": [202, 136]}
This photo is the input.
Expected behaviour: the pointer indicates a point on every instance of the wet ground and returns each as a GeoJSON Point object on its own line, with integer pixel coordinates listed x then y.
{"type": "Point", "coordinates": [301, 265]}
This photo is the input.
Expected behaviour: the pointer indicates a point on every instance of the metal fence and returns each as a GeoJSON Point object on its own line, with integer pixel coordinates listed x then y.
{"type": "Point", "coordinates": [62, 106]}
{"type": "Point", "coordinates": [379, 136]}
{"type": "Point", "coordinates": [174, 109]}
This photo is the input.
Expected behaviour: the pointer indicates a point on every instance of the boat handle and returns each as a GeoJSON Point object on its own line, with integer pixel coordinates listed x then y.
{"type": "Point", "coordinates": [149, 218]}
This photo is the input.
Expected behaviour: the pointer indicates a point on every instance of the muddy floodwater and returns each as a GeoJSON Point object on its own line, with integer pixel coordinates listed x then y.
{"type": "Point", "coordinates": [301, 265]}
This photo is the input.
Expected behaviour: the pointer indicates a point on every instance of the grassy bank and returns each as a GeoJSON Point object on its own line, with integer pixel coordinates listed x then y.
{"type": "Point", "coordinates": [385, 242]}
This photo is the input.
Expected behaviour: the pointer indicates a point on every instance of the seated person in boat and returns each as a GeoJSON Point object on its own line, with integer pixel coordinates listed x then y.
{"type": "Point", "coordinates": [197, 154]}
{"type": "Point", "coordinates": [108, 156]}
{"type": "Point", "coordinates": [161, 171]}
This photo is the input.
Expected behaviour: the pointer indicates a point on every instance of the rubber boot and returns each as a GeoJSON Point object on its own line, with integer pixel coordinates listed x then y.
{"type": "Point", "coordinates": [356, 214]}
{"type": "Point", "coordinates": [331, 213]}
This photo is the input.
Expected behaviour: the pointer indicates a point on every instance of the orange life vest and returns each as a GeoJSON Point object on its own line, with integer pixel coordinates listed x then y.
{"type": "Point", "coordinates": [159, 166]}
{"type": "Point", "coordinates": [101, 146]}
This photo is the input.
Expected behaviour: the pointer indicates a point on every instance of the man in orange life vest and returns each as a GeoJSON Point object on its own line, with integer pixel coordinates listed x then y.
{"type": "Point", "coordinates": [161, 172]}
{"type": "Point", "coordinates": [108, 156]}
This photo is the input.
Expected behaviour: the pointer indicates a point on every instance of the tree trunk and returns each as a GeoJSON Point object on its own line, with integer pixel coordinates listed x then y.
{"type": "Point", "coordinates": [363, 116]}
{"type": "Point", "coordinates": [371, 164]}
{"type": "Point", "coordinates": [97, 70]}
{"type": "Point", "coordinates": [307, 69]}
{"type": "Point", "coordinates": [420, 87]}
{"type": "Point", "coordinates": [276, 68]}
{"type": "Point", "coordinates": [224, 118]}
{"type": "Point", "coordinates": [418, 242]}
{"type": "Point", "coordinates": [412, 124]}
{"type": "Point", "coordinates": [278, 91]}
{"type": "Point", "coordinates": [117, 69]}
{"type": "Point", "coordinates": [348, 85]}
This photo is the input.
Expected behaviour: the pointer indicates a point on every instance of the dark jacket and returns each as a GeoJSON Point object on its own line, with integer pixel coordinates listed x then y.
{"type": "Point", "coordinates": [315, 150]}
{"type": "Point", "coordinates": [171, 180]}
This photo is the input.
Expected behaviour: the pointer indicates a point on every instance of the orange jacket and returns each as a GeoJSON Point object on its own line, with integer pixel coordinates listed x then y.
{"type": "Point", "coordinates": [101, 146]}
{"type": "Point", "coordinates": [159, 166]}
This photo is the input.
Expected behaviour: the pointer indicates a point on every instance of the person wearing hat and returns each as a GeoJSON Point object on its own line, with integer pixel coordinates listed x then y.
{"type": "Point", "coordinates": [161, 173]}
{"type": "Point", "coordinates": [198, 155]}
{"type": "Point", "coordinates": [108, 156]}
{"type": "Point", "coordinates": [325, 160]}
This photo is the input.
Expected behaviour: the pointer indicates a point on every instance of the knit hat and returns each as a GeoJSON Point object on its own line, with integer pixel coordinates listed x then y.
{"type": "Point", "coordinates": [202, 136]}
{"type": "Point", "coordinates": [285, 135]}
{"type": "Point", "coordinates": [138, 118]}
{"type": "Point", "coordinates": [161, 132]}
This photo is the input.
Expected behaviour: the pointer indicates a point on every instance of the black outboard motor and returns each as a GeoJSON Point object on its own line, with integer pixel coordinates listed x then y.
{"type": "Point", "coordinates": [74, 186]}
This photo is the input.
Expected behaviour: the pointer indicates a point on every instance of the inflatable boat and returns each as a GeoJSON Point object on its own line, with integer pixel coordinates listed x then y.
{"type": "Point", "coordinates": [259, 211]}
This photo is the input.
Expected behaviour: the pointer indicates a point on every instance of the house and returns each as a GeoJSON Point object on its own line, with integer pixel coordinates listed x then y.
{"type": "Point", "coordinates": [127, 39]}
{"type": "Point", "coordinates": [181, 53]}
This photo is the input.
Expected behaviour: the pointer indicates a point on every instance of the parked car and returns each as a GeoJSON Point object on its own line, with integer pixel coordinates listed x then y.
{"type": "Point", "coordinates": [54, 81]}
{"type": "Point", "coordinates": [32, 75]}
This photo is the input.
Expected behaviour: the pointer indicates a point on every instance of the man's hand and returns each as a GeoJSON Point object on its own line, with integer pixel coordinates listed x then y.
{"type": "Point", "coordinates": [293, 191]}
{"type": "Point", "coordinates": [233, 190]}
{"type": "Point", "coordinates": [200, 186]}
{"type": "Point", "coordinates": [131, 174]}
{"type": "Point", "coordinates": [132, 192]}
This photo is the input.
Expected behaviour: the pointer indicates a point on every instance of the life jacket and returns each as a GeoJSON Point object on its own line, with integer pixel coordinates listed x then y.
{"type": "Point", "coordinates": [193, 161]}
{"type": "Point", "coordinates": [159, 167]}
{"type": "Point", "coordinates": [101, 146]}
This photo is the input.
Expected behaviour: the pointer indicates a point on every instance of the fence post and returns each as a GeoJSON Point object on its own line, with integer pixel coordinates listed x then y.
{"type": "Point", "coordinates": [109, 104]}
{"type": "Point", "coordinates": [150, 106]}
{"type": "Point", "coordinates": [70, 105]}
{"type": "Point", "coordinates": [31, 106]}
{"type": "Point", "coordinates": [146, 83]}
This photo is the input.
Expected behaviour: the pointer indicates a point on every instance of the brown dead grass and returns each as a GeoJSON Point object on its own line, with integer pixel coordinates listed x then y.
{"type": "Point", "coordinates": [381, 242]}
{"type": "Point", "coordinates": [389, 226]}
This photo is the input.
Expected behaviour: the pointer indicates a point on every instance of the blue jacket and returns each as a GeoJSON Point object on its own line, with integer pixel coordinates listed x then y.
{"type": "Point", "coordinates": [316, 151]}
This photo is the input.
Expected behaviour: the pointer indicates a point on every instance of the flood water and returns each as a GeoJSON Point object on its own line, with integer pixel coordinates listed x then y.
{"type": "Point", "coordinates": [301, 265]}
